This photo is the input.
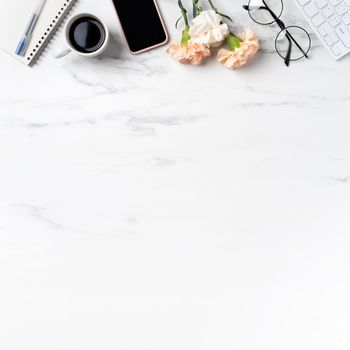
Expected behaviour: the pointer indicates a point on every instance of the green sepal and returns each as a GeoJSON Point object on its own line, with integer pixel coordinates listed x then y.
{"type": "Point", "coordinates": [185, 36]}
{"type": "Point", "coordinates": [233, 42]}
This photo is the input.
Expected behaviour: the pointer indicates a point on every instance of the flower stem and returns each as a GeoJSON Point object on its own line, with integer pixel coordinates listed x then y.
{"type": "Point", "coordinates": [197, 8]}
{"type": "Point", "coordinates": [215, 9]}
{"type": "Point", "coordinates": [185, 33]}
{"type": "Point", "coordinates": [183, 13]}
{"type": "Point", "coordinates": [212, 6]}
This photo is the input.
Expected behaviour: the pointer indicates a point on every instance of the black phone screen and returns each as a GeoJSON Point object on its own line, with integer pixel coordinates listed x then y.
{"type": "Point", "coordinates": [141, 23]}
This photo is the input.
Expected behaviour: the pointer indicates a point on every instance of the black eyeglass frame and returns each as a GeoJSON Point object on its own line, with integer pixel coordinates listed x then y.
{"type": "Point", "coordinates": [284, 28]}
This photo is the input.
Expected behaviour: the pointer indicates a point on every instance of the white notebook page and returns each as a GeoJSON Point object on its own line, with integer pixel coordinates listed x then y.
{"type": "Point", "coordinates": [14, 16]}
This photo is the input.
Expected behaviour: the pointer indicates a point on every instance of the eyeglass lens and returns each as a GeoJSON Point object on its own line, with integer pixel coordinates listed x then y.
{"type": "Point", "coordinates": [262, 16]}
{"type": "Point", "coordinates": [299, 47]}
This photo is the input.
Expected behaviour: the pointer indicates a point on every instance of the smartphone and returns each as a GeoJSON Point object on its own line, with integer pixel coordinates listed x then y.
{"type": "Point", "coordinates": [142, 24]}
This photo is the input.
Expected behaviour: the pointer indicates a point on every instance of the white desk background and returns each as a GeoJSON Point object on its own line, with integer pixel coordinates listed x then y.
{"type": "Point", "coordinates": [149, 205]}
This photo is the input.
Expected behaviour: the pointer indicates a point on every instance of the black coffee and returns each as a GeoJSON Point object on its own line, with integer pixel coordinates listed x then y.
{"type": "Point", "coordinates": [87, 34]}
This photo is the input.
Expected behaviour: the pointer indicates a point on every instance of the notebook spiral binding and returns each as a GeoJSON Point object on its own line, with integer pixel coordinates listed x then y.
{"type": "Point", "coordinates": [50, 31]}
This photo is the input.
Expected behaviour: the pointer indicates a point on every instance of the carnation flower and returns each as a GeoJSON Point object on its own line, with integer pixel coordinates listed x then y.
{"type": "Point", "coordinates": [207, 28]}
{"type": "Point", "coordinates": [241, 48]}
{"type": "Point", "coordinates": [189, 52]}
{"type": "Point", "coordinates": [186, 51]}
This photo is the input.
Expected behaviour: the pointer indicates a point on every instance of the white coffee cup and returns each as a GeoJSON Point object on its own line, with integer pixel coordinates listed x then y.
{"type": "Point", "coordinates": [74, 47]}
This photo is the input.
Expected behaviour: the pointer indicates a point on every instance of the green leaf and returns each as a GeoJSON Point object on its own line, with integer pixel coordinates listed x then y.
{"type": "Point", "coordinates": [177, 22]}
{"type": "Point", "coordinates": [225, 16]}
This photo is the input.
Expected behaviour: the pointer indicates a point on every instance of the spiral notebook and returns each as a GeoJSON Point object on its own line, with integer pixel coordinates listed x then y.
{"type": "Point", "coordinates": [14, 16]}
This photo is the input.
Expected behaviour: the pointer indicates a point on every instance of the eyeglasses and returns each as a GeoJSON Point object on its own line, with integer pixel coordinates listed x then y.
{"type": "Point", "coordinates": [292, 43]}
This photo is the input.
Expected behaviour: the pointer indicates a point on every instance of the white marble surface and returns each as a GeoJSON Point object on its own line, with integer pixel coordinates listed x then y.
{"type": "Point", "coordinates": [148, 205]}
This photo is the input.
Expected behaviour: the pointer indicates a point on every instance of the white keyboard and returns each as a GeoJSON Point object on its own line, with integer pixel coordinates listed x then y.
{"type": "Point", "coordinates": [331, 21]}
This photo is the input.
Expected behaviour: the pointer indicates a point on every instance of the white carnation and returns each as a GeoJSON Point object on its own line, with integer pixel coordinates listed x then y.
{"type": "Point", "coordinates": [207, 28]}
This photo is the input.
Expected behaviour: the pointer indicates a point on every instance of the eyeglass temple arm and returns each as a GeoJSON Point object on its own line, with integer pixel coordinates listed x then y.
{"type": "Point", "coordinates": [247, 7]}
{"type": "Point", "coordinates": [289, 52]}
{"type": "Point", "coordinates": [280, 24]}
{"type": "Point", "coordinates": [283, 27]}
{"type": "Point", "coordinates": [290, 39]}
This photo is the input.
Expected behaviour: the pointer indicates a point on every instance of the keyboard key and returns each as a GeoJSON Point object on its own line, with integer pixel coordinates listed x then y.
{"type": "Point", "coordinates": [334, 21]}
{"type": "Point", "coordinates": [317, 20]}
{"type": "Point", "coordinates": [321, 3]}
{"type": "Point", "coordinates": [343, 34]}
{"type": "Point", "coordinates": [310, 9]}
{"type": "Point", "coordinates": [338, 49]}
{"type": "Point", "coordinates": [335, 50]}
{"type": "Point", "coordinates": [331, 20]}
{"type": "Point", "coordinates": [325, 29]}
{"type": "Point", "coordinates": [331, 39]}
{"type": "Point", "coordinates": [346, 19]}
{"type": "Point", "coordinates": [328, 11]}
{"type": "Point", "coordinates": [341, 9]}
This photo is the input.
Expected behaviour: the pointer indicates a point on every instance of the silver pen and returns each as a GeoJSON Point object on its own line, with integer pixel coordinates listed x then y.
{"type": "Point", "coordinates": [27, 35]}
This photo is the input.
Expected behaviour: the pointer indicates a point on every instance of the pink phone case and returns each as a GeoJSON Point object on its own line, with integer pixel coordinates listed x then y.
{"type": "Point", "coordinates": [147, 48]}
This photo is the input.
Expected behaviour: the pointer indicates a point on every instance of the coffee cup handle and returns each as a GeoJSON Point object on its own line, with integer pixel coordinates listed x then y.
{"type": "Point", "coordinates": [61, 54]}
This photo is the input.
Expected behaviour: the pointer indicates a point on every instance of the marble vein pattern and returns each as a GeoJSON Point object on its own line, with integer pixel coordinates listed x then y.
{"type": "Point", "coordinates": [150, 205]}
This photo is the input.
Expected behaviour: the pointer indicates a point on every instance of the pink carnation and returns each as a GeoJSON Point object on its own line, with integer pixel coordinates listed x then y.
{"type": "Point", "coordinates": [240, 56]}
{"type": "Point", "coordinates": [189, 53]}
